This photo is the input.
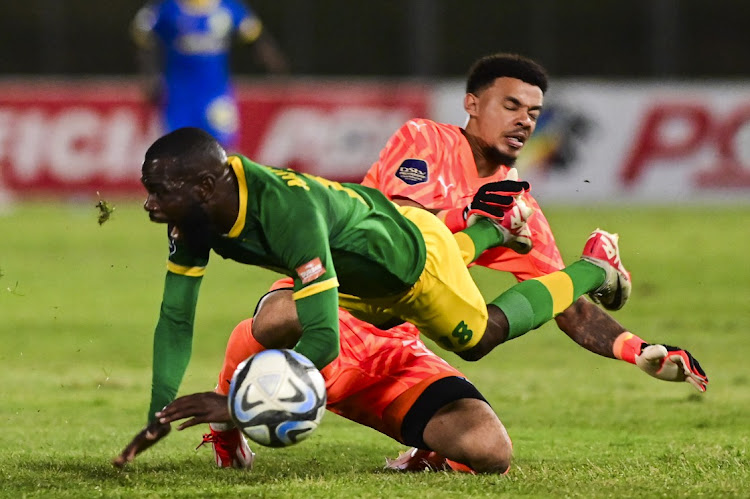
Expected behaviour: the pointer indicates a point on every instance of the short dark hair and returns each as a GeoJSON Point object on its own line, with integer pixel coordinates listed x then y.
{"type": "Point", "coordinates": [487, 69]}
{"type": "Point", "coordinates": [196, 149]}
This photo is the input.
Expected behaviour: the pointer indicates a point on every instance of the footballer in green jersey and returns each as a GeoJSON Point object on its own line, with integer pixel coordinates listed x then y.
{"type": "Point", "coordinates": [313, 223]}
{"type": "Point", "coordinates": [293, 223]}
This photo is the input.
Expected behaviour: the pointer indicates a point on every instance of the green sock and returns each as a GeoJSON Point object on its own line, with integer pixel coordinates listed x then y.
{"type": "Point", "coordinates": [484, 235]}
{"type": "Point", "coordinates": [585, 277]}
{"type": "Point", "coordinates": [529, 304]}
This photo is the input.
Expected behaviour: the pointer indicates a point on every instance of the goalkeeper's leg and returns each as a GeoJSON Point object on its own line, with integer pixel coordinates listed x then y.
{"type": "Point", "coordinates": [229, 445]}
{"type": "Point", "coordinates": [451, 427]}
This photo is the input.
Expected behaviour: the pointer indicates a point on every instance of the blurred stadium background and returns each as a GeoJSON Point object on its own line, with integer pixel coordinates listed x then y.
{"type": "Point", "coordinates": [650, 99]}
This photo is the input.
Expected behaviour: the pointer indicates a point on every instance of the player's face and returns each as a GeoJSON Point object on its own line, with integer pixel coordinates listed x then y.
{"type": "Point", "coordinates": [504, 115]}
{"type": "Point", "coordinates": [169, 200]}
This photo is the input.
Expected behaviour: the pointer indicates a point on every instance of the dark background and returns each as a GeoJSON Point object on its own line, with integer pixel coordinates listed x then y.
{"type": "Point", "coordinates": [411, 38]}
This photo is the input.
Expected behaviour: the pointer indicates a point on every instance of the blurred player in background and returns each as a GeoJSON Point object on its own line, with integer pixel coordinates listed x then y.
{"type": "Point", "coordinates": [184, 50]}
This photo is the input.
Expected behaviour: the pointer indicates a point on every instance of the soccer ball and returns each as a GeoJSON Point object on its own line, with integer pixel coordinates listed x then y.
{"type": "Point", "coordinates": [277, 397]}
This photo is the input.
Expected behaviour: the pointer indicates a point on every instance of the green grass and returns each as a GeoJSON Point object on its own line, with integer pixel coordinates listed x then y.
{"type": "Point", "coordinates": [78, 303]}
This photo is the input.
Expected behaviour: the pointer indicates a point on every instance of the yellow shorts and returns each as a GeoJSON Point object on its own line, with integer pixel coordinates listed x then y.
{"type": "Point", "coordinates": [445, 303]}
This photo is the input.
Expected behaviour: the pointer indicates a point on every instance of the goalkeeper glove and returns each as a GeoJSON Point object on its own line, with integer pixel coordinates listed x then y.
{"type": "Point", "coordinates": [494, 200]}
{"type": "Point", "coordinates": [516, 233]}
{"type": "Point", "coordinates": [671, 364]}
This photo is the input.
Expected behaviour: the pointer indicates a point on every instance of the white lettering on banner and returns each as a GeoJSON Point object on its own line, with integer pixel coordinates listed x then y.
{"type": "Point", "coordinates": [678, 131]}
{"type": "Point", "coordinates": [28, 141]}
{"type": "Point", "coordinates": [340, 143]}
{"type": "Point", "coordinates": [74, 144]}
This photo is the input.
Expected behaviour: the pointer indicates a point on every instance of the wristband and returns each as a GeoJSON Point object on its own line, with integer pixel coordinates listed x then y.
{"type": "Point", "coordinates": [627, 346]}
{"type": "Point", "coordinates": [453, 219]}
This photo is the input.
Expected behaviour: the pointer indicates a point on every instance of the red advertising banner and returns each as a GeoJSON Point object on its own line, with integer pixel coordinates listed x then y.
{"type": "Point", "coordinates": [72, 137]}
{"type": "Point", "coordinates": [335, 129]}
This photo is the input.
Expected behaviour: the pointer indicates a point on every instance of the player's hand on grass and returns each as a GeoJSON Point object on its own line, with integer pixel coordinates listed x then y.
{"type": "Point", "coordinates": [206, 407]}
{"type": "Point", "coordinates": [671, 364]}
{"type": "Point", "coordinates": [494, 199]}
{"type": "Point", "coordinates": [147, 437]}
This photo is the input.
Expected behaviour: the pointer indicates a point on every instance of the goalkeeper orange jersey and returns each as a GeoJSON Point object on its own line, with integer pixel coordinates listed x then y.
{"type": "Point", "coordinates": [432, 164]}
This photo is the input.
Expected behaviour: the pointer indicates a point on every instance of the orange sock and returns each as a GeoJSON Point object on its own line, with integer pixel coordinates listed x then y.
{"type": "Point", "coordinates": [241, 345]}
{"type": "Point", "coordinates": [627, 346]}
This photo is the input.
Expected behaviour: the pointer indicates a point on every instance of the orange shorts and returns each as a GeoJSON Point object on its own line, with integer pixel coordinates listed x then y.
{"type": "Point", "coordinates": [376, 378]}
{"type": "Point", "coordinates": [379, 375]}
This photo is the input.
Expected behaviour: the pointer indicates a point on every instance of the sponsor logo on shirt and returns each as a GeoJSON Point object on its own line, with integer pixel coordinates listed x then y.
{"type": "Point", "coordinates": [310, 271]}
{"type": "Point", "coordinates": [413, 171]}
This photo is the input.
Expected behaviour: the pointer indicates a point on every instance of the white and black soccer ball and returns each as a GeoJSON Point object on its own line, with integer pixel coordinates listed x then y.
{"type": "Point", "coordinates": [277, 397]}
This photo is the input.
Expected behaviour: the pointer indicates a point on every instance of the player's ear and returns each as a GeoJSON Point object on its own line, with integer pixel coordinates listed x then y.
{"type": "Point", "coordinates": [471, 102]}
{"type": "Point", "coordinates": [205, 186]}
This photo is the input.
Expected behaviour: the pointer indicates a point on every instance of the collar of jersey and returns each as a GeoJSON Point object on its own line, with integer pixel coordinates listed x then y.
{"type": "Point", "coordinates": [239, 224]}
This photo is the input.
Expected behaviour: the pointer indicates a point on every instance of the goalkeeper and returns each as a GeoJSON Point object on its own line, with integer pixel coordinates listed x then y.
{"type": "Point", "coordinates": [441, 167]}
{"type": "Point", "coordinates": [446, 170]}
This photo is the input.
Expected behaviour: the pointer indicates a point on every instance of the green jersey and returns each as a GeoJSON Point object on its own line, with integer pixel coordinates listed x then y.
{"type": "Point", "coordinates": [327, 236]}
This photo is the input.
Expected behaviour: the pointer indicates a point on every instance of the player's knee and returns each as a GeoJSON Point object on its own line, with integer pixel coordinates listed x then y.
{"type": "Point", "coordinates": [496, 459]}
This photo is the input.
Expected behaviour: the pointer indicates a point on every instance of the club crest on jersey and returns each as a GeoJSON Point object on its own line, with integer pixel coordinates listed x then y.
{"type": "Point", "coordinates": [310, 271]}
{"type": "Point", "coordinates": [413, 171]}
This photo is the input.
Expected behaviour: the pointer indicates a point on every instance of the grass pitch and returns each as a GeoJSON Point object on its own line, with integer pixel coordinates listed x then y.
{"type": "Point", "coordinates": [78, 303]}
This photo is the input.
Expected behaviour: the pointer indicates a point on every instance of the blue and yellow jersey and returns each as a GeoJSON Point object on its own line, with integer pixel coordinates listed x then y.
{"type": "Point", "coordinates": [196, 37]}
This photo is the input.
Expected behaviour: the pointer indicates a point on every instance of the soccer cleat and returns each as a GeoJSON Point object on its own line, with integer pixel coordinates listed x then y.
{"type": "Point", "coordinates": [230, 449]}
{"type": "Point", "coordinates": [424, 460]}
{"type": "Point", "coordinates": [602, 250]}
